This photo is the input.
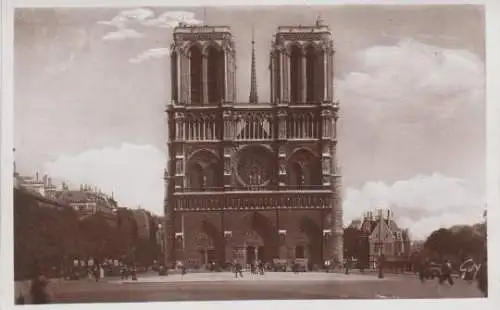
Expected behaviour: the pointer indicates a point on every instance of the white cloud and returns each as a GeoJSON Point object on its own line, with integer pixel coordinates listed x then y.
{"type": "Point", "coordinates": [146, 17]}
{"type": "Point", "coordinates": [171, 19]}
{"type": "Point", "coordinates": [153, 53]}
{"type": "Point", "coordinates": [122, 34]}
{"type": "Point", "coordinates": [420, 79]}
{"type": "Point", "coordinates": [422, 204]}
{"type": "Point", "coordinates": [134, 173]}
{"type": "Point", "coordinates": [128, 17]}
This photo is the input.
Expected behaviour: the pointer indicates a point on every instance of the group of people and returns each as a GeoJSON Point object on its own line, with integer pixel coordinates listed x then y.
{"type": "Point", "coordinates": [256, 268]}
{"type": "Point", "coordinates": [469, 271]}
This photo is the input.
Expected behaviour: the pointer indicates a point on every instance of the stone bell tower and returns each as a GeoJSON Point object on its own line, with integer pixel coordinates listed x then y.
{"type": "Point", "coordinates": [302, 72]}
{"type": "Point", "coordinates": [203, 65]}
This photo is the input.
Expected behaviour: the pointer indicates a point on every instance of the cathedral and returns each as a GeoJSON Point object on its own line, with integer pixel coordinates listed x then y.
{"type": "Point", "coordinates": [252, 180]}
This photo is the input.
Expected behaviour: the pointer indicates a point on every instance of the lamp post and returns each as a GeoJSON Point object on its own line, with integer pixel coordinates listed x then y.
{"type": "Point", "coordinates": [380, 252]}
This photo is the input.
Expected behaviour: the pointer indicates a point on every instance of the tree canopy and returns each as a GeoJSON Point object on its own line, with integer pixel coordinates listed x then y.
{"type": "Point", "coordinates": [456, 243]}
{"type": "Point", "coordinates": [48, 234]}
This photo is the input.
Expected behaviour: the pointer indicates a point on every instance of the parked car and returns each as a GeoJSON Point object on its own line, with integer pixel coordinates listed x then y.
{"type": "Point", "coordinates": [433, 270]}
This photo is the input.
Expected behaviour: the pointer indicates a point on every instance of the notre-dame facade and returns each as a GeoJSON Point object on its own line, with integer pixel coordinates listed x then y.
{"type": "Point", "coordinates": [252, 180]}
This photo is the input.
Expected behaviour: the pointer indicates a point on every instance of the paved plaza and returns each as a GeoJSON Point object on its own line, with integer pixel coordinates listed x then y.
{"type": "Point", "coordinates": [267, 277]}
{"type": "Point", "coordinates": [223, 286]}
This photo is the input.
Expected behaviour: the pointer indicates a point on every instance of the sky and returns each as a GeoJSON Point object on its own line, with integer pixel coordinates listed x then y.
{"type": "Point", "coordinates": [91, 86]}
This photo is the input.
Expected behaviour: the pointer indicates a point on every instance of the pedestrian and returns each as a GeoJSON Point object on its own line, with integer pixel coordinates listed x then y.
{"type": "Point", "coordinates": [101, 272]}
{"type": "Point", "coordinates": [20, 300]}
{"type": "Point", "coordinates": [96, 273]}
{"type": "Point", "coordinates": [39, 292]}
{"type": "Point", "coordinates": [422, 270]}
{"type": "Point", "coordinates": [238, 270]}
{"type": "Point", "coordinates": [261, 268]}
{"type": "Point", "coordinates": [446, 270]}
{"type": "Point", "coordinates": [347, 265]}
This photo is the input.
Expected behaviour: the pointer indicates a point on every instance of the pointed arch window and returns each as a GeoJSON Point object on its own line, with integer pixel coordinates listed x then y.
{"type": "Point", "coordinates": [195, 177]}
{"type": "Point", "coordinates": [215, 67]}
{"type": "Point", "coordinates": [295, 74]}
{"type": "Point", "coordinates": [174, 77]}
{"type": "Point", "coordinates": [196, 73]}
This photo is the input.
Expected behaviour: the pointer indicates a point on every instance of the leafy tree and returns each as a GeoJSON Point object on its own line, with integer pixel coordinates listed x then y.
{"type": "Point", "coordinates": [352, 239]}
{"type": "Point", "coordinates": [44, 233]}
{"type": "Point", "coordinates": [455, 243]}
{"type": "Point", "coordinates": [96, 234]}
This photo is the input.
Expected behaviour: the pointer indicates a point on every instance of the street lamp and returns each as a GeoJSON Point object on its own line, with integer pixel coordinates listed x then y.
{"type": "Point", "coordinates": [380, 255]}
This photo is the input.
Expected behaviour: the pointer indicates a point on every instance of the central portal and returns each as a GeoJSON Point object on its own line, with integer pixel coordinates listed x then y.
{"type": "Point", "coordinates": [254, 253]}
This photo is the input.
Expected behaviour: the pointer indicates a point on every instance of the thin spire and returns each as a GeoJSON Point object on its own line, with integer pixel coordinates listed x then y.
{"type": "Point", "coordinates": [253, 76]}
{"type": "Point", "coordinates": [15, 170]}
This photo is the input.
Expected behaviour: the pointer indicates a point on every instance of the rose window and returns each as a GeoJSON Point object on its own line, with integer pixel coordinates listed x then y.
{"type": "Point", "coordinates": [254, 167]}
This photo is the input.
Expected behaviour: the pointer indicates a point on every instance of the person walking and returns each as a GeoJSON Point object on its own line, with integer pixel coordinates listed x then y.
{"type": "Point", "coordinates": [422, 270]}
{"type": "Point", "coordinates": [446, 271]}
{"type": "Point", "coordinates": [39, 291]}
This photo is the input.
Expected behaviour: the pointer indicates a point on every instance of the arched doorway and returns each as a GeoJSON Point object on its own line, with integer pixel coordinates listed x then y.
{"type": "Point", "coordinates": [211, 244]}
{"type": "Point", "coordinates": [314, 247]}
{"type": "Point", "coordinates": [258, 240]}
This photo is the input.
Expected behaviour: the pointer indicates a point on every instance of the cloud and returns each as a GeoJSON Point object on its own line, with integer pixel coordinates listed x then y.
{"type": "Point", "coordinates": [133, 172]}
{"type": "Point", "coordinates": [418, 79]}
{"type": "Point", "coordinates": [171, 19]}
{"type": "Point", "coordinates": [128, 17]}
{"type": "Point", "coordinates": [153, 53]}
{"type": "Point", "coordinates": [145, 17]}
{"type": "Point", "coordinates": [122, 34]}
{"type": "Point", "coordinates": [421, 204]}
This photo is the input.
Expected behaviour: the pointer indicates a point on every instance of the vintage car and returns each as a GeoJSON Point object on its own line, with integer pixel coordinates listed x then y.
{"type": "Point", "coordinates": [433, 270]}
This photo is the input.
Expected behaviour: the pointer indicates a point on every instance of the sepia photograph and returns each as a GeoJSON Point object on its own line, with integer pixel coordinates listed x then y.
{"type": "Point", "coordinates": [249, 153]}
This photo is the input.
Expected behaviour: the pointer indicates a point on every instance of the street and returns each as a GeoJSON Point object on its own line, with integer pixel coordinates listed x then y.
{"type": "Point", "coordinates": [223, 286]}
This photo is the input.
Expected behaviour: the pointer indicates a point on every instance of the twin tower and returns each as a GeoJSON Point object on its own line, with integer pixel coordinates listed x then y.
{"type": "Point", "coordinates": [263, 169]}
{"type": "Point", "coordinates": [203, 64]}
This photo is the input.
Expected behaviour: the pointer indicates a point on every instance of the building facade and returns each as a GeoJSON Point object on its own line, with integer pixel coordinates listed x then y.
{"type": "Point", "coordinates": [253, 180]}
{"type": "Point", "coordinates": [143, 220]}
{"type": "Point", "coordinates": [42, 186]}
{"type": "Point", "coordinates": [88, 201]}
{"type": "Point", "coordinates": [385, 237]}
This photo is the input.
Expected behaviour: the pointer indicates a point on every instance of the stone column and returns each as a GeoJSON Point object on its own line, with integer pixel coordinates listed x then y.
{"type": "Point", "coordinates": [281, 74]}
{"type": "Point", "coordinates": [226, 81]}
{"type": "Point", "coordinates": [183, 68]}
{"type": "Point", "coordinates": [286, 76]}
{"type": "Point", "coordinates": [273, 76]}
{"type": "Point", "coordinates": [169, 219]}
{"type": "Point", "coordinates": [326, 84]}
{"type": "Point", "coordinates": [337, 244]}
{"type": "Point", "coordinates": [330, 76]}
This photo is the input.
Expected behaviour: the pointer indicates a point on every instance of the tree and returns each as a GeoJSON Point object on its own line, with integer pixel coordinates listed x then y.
{"type": "Point", "coordinates": [352, 240]}
{"type": "Point", "coordinates": [97, 236]}
{"type": "Point", "coordinates": [455, 243]}
{"type": "Point", "coordinates": [45, 232]}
